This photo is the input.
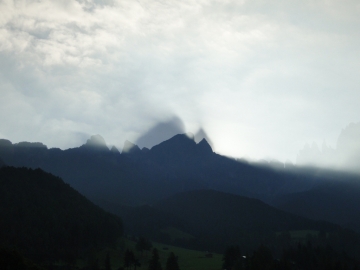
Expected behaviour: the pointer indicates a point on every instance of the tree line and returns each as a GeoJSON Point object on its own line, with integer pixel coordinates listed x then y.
{"type": "Point", "coordinates": [301, 257]}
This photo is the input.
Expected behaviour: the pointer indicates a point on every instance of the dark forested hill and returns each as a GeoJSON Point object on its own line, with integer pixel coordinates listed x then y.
{"type": "Point", "coordinates": [2, 163]}
{"type": "Point", "coordinates": [336, 201]}
{"type": "Point", "coordinates": [212, 220]}
{"type": "Point", "coordinates": [232, 219]}
{"type": "Point", "coordinates": [46, 219]}
{"type": "Point", "coordinates": [218, 210]}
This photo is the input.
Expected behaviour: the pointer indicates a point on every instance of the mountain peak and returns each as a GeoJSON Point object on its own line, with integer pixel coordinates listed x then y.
{"type": "Point", "coordinates": [179, 140]}
{"type": "Point", "coordinates": [161, 132]}
{"type": "Point", "coordinates": [97, 142]}
{"type": "Point", "coordinates": [130, 148]}
{"type": "Point", "coordinates": [5, 143]}
{"type": "Point", "coordinates": [204, 146]}
{"type": "Point", "coordinates": [179, 145]}
{"type": "Point", "coordinates": [200, 135]}
{"type": "Point", "coordinates": [182, 137]}
{"type": "Point", "coordinates": [30, 145]}
{"type": "Point", "coordinates": [114, 150]}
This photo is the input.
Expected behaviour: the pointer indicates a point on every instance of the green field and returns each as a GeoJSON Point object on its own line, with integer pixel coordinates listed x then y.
{"type": "Point", "coordinates": [301, 235]}
{"type": "Point", "coordinates": [188, 259]}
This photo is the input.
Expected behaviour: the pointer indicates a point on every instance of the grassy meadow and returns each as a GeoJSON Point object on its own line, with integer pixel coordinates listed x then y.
{"type": "Point", "coordinates": [187, 259]}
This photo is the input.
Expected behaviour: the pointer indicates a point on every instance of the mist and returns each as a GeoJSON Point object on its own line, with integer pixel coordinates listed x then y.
{"type": "Point", "coordinates": [344, 156]}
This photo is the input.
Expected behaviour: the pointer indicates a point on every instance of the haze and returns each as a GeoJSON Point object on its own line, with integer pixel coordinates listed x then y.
{"type": "Point", "coordinates": [262, 79]}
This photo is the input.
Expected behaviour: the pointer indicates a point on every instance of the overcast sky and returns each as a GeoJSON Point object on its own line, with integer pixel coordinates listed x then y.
{"type": "Point", "coordinates": [262, 78]}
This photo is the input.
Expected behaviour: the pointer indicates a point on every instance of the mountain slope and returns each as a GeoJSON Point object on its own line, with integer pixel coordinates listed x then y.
{"type": "Point", "coordinates": [231, 211]}
{"type": "Point", "coordinates": [213, 220]}
{"type": "Point", "coordinates": [137, 177]}
{"type": "Point", "coordinates": [2, 164]}
{"type": "Point", "coordinates": [45, 218]}
{"type": "Point", "coordinates": [217, 220]}
{"type": "Point", "coordinates": [335, 201]}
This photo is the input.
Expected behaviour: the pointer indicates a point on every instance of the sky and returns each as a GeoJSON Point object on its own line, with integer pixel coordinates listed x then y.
{"type": "Point", "coordinates": [261, 78]}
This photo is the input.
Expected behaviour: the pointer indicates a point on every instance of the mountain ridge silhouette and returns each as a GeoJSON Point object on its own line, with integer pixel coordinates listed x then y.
{"type": "Point", "coordinates": [176, 165]}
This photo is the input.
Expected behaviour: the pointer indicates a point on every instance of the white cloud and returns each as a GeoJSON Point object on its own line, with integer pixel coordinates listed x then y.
{"type": "Point", "coordinates": [267, 76]}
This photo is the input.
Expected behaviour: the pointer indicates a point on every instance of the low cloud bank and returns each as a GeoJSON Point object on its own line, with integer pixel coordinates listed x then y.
{"type": "Point", "coordinates": [345, 156]}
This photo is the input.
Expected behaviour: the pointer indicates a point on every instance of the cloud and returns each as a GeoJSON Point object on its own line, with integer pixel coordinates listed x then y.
{"type": "Point", "coordinates": [160, 132]}
{"type": "Point", "coordinates": [261, 78]}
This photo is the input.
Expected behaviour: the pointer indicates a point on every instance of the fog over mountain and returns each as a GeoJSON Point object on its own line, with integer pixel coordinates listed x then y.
{"type": "Point", "coordinates": [261, 78]}
{"type": "Point", "coordinates": [161, 132]}
{"type": "Point", "coordinates": [344, 156]}
{"type": "Point", "coordinates": [141, 176]}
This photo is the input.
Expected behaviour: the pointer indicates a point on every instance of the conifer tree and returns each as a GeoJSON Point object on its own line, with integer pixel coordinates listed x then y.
{"type": "Point", "coordinates": [172, 262]}
{"type": "Point", "coordinates": [143, 244]}
{"type": "Point", "coordinates": [129, 259]}
{"type": "Point", "coordinates": [232, 257]}
{"type": "Point", "coordinates": [107, 262]}
{"type": "Point", "coordinates": [154, 263]}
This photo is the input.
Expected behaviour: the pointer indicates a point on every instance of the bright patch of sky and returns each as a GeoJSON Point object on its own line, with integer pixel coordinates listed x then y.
{"type": "Point", "coordinates": [262, 78]}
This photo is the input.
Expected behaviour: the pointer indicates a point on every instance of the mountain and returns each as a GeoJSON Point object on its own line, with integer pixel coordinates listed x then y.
{"type": "Point", "coordinates": [344, 156]}
{"type": "Point", "coordinates": [335, 201]}
{"type": "Point", "coordinates": [213, 220]}
{"type": "Point", "coordinates": [222, 218]}
{"type": "Point", "coordinates": [179, 164]}
{"type": "Point", "coordinates": [130, 148]}
{"type": "Point", "coordinates": [46, 219]}
{"type": "Point", "coordinates": [230, 212]}
{"type": "Point", "coordinates": [96, 142]}
{"type": "Point", "coordinates": [2, 163]}
{"type": "Point", "coordinates": [161, 132]}
{"type": "Point", "coordinates": [136, 177]}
